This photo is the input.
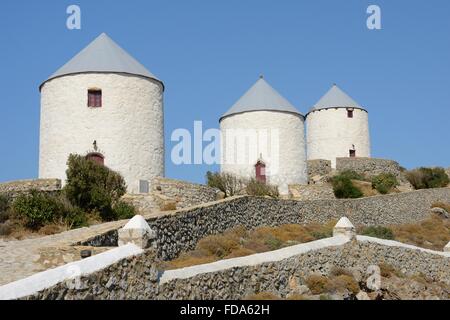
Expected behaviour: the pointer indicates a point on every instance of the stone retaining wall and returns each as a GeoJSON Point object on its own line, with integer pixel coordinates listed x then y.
{"type": "Point", "coordinates": [181, 230]}
{"type": "Point", "coordinates": [185, 194]}
{"type": "Point", "coordinates": [369, 166]}
{"type": "Point", "coordinates": [169, 194]}
{"type": "Point", "coordinates": [318, 167]}
{"type": "Point", "coordinates": [277, 277]}
{"type": "Point", "coordinates": [134, 277]}
{"type": "Point", "coordinates": [311, 192]}
{"type": "Point", "coordinates": [139, 277]}
{"type": "Point", "coordinates": [15, 188]}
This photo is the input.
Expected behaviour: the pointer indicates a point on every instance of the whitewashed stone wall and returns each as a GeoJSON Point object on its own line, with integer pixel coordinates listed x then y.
{"type": "Point", "coordinates": [128, 127]}
{"type": "Point", "coordinates": [287, 131]}
{"type": "Point", "coordinates": [331, 134]}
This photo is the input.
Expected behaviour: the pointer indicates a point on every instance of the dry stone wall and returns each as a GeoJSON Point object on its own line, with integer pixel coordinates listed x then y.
{"type": "Point", "coordinates": [138, 277]}
{"type": "Point", "coordinates": [183, 193]}
{"type": "Point", "coordinates": [181, 230]}
{"type": "Point", "coordinates": [15, 188]}
{"type": "Point", "coordinates": [169, 194]}
{"type": "Point", "coordinates": [318, 167]}
{"type": "Point", "coordinates": [134, 278]}
{"type": "Point", "coordinates": [369, 166]}
{"type": "Point", "coordinates": [277, 277]}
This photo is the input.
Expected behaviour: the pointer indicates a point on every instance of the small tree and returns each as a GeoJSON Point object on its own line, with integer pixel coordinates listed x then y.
{"type": "Point", "coordinates": [260, 189]}
{"type": "Point", "coordinates": [225, 182]}
{"type": "Point", "coordinates": [93, 187]}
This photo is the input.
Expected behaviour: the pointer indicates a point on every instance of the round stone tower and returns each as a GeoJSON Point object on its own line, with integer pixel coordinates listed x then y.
{"type": "Point", "coordinates": [337, 126]}
{"type": "Point", "coordinates": [105, 105]}
{"type": "Point", "coordinates": [263, 138]}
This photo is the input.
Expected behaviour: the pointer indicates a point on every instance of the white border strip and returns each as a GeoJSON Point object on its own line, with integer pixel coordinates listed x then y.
{"type": "Point", "coordinates": [46, 279]}
{"type": "Point", "coordinates": [392, 243]}
{"type": "Point", "coordinates": [281, 254]}
{"type": "Point", "coordinates": [253, 260]}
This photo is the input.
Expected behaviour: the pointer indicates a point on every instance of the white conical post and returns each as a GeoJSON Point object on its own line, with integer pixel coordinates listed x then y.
{"type": "Point", "coordinates": [344, 228]}
{"type": "Point", "coordinates": [447, 247]}
{"type": "Point", "coordinates": [137, 231]}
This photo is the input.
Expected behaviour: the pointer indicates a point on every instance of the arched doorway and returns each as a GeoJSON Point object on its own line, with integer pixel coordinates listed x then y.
{"type": "Point", "coordinates": [260, 168]}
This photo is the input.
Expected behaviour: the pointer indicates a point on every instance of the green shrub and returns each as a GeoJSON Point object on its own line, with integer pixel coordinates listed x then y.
{"type": "Point", "coordinates": [4, 207]}
{"type": "Point", "coordinates": [228, 183]}
{"type": "Point", "coordinates": [93, 187]}
{"type": "Point", "coordinates": [260, 189]}
{"type": "Point", "coordinates": [352, 175]}
{"type": "Point", "coordinates": [4, 202]}
{"type": "Point", "coordinates": [384, 182]}
{"type": "Point", "coordinates": [123, 210]}
{"type": "Point", "coordinates": [343, 188]}
{"type": "Point", "coordinates": [38, 208]}
{"type": "Point", "coordinates": [378, 232]}
{"type": "Point", "coordinates": [426, 178]}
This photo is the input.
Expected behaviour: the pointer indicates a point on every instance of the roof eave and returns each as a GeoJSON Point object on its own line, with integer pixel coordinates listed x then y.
{"type": "Point", "coordinates": [113, 72]}
{"type": "Point", "coordinates": [271, 110]}
{"type": "Point", "coordinates": [326, 108]}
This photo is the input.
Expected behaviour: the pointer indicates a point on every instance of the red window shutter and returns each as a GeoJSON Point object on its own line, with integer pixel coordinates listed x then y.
{"type": "Point", "coordinates": [260, 168]}
{"type": "Point", "coordinates": [94, 98]}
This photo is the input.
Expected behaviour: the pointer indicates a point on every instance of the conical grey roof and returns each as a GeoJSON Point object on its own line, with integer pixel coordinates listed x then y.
{"type": "Point", "coordinates": [336, 98]}
{"type": "Point", "coordinates": [261, 96]}
{"type": "Point", "coordinates": [103, 55]}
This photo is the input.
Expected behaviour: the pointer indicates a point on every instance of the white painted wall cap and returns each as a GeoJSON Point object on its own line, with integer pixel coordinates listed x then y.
{"type": "Point", "coordinates": [137, 222]}
{"type": "Point", "coordinates": [344, 222]}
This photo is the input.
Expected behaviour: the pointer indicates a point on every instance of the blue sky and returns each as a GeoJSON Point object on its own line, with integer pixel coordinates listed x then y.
{"type": "Point", "coordinates": [208, 53]}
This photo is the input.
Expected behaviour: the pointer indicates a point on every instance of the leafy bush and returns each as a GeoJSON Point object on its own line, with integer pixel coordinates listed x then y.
{"type": "Point", "coordinates": [426, 178]}
{"type": "Point", "coordinates": [40, 208]}
{"type": "Point", "coordinates": [378, 232]}
{"type": "Point", "coordinates": [123, 210]}
{"type": "Point", "coordinates": [4, 207]}
{"type": "Point", "coordinates": [260, 189]}
{"type": "Point", "coordinates": [352, 175]}
{"type": "Point", "coordinates": [4, 202]}
{"type": "Point", "coordinates": [93, 187]}
{"type": "Point", "coordinates": [228, 183]}
{"type": "Point", "coordinates": [384, 182]}
{"type": "Point", "coordinates": [343, 187]}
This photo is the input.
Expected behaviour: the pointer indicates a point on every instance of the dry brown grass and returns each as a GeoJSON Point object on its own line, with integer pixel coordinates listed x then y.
{"type": "Point", "coordinates": [262, 296]}
{"type": "Point", "coordinates": [318, 284]}
{"type": "Point", "coordinates": [240, 242]}
{"type": "Point", "coordinates": [442, 205]}
{"type": "Point", "coordinates": [170, 206]}
{"type": "Point", "coordinates": [366, 188]}
{"type": "Point", "coordinates": [432, 233]}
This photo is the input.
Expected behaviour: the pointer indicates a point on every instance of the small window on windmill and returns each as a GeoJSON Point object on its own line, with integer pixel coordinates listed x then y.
{"type": "Point", "coordinates": [349, 113]}
{"type": "Point", "coordinates": [352, 153]}
{"type": "Point", "coordinates": [144, 186]}
{"type": "Point", "coordinates": [94, 98]}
